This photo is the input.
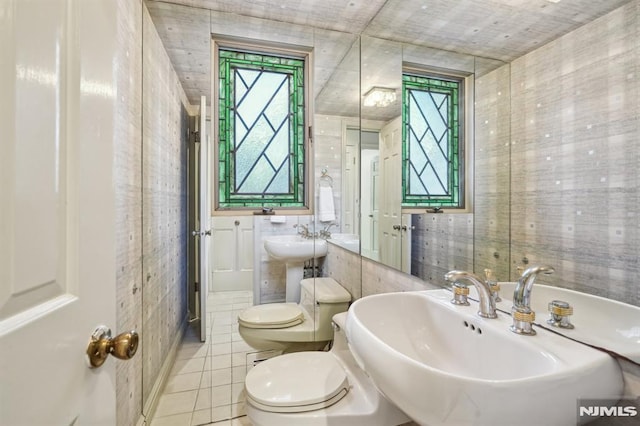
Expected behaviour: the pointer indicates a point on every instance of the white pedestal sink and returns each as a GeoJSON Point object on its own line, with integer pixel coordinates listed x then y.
{"type": "Point", "coordinates": [294, 250]}
{"type": "Point", "coordinates": [444, 365]}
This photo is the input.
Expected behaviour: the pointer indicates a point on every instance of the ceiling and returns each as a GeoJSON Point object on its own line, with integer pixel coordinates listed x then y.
{"type": "Point", "coordinates": [493, 31]}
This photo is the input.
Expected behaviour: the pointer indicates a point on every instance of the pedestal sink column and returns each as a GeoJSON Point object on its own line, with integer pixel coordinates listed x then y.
{"type": "Point", "coordinates": [295, 273]}
{"type": "Point", "coordinates": [294, 251]}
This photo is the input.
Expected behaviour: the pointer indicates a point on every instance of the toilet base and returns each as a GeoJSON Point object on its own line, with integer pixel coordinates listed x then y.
{"type": "Point", "coordinates": [363, 405]}
{"type": "Point", "coordinates": [251, 337]}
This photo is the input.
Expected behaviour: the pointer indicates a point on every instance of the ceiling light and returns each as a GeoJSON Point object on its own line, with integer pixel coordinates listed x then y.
{"type": "Point", "coordinates": [379, 97]}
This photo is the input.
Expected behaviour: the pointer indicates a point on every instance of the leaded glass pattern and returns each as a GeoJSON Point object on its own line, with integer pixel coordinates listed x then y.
{"type": "Point", "coordinates": [431, 153]}
{"type": "Point", "coordinates": [261, 154]}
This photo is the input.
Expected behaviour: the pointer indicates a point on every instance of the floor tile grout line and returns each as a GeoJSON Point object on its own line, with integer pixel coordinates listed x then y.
{"type": "Point", "coordinates": [246, 301]}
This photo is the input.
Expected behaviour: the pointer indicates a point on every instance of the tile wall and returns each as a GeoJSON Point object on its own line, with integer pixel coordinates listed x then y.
{"type": "Point", "coordinates": [164, 195]}
{"type": "Point", "coordinates": [439, 243]}
{"type": "Point", "coordinates": [492, 167]}
{"type": "Point", "coordinates": [151, 205]}
{"type": "Point", "coordinates": [344, 266]}
{"type": "Point", "coordinates": [575, 135]}
{"type": "Point", "coordinates": [364, 277]}
{"type": "Point", "coordinates": [377, 278]}
{"type": "Point", "coordinates": [128, 190]}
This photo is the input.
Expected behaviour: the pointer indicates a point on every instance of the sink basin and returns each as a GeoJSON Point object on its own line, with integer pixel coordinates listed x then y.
{"type": "Point", "coordinates": [346, 241]}
{"type": "Point", "coordinates": [343, 236]}
{"type": "Point", "coordinates": [598, 321]}
{"type": "Point", "coordinates": [294, 248]}
{"type": "Point", "coordinates": [444, 365]}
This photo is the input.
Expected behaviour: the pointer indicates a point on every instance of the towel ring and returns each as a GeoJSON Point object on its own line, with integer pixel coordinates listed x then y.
{"type": "Point", "coordinates": [326, 177]}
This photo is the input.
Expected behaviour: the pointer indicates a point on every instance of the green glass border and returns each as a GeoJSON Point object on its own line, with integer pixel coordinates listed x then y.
{"type": "Point", "coordinates": [452, 89]}
{"type": "Point", "coordinates": [229, 61]}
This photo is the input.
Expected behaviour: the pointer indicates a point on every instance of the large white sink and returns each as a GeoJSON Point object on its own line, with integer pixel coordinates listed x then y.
{"type": "Point", "coordinates": [598, 321]}
{"type": "Point", "coordinates": [444, 365]}
{"type": "Point", "coordinates": [294, 250]}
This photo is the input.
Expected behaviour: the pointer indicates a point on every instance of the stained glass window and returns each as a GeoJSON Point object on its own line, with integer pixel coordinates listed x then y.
{"type": "Point", "coordinates": [432, 153]}
{"type": "Point", "coordinates": [261, 154]}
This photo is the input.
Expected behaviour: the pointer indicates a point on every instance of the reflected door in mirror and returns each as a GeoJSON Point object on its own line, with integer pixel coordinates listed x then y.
{"type": "Point", "coordinates": [390, 197]}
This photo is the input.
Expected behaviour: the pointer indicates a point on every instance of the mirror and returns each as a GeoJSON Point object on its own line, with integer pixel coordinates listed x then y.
{"type": "Point", "coordinates": [492, 168]}
{"type": "Point", "coordinates": [336, 133]}
{"type": "Point", "coordinates": [533, 190]}
{"type": "Point", "coordinates": [381, 65]}
{"type": "Point", "coordinates": [428, 245]}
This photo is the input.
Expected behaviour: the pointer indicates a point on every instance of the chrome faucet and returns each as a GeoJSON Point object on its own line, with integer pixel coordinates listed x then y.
{"type": "Point", "coordinates": [521, 311]}
{"type": "Point", "coordinates": [303, 230]}
{"type": "Point", "coordinates": [325, 232]}
{"type": "Point", "coordinates": [487, 303]}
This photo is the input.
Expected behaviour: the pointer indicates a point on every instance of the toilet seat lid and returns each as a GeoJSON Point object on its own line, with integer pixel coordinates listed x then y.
{"type": "Point", "coordinates": [301, 381]}
{"type": "Point", "coordinates": [272, 314]}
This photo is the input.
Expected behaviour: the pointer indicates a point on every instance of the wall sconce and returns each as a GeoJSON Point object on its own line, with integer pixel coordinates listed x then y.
{"type": "Point", "coordinates": [379, 97]}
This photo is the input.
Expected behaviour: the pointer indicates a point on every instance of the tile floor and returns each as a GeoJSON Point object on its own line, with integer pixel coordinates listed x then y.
{"type": "Point", "coordinates": [207, 380]}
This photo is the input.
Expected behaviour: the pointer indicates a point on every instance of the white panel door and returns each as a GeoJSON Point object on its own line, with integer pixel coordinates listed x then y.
{"type": "Point", "coordinates": [350, 184]}
{"type": "Point", "coordinates": [370, 190]}
{"type": "Point", "coordinates": [205, 216]}
{"type": "Point", "coordinates": [232, 267]}
{"type": "Point", "coordinates": [375, 208]}
{"type": "Point", "coordinates": [390, 196]}
{"type": "Point", "coordinates": [57, 221]}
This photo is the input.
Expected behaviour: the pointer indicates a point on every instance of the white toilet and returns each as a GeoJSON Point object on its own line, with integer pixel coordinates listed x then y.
{"type": "Point", "coordinates": [290, 327]}
{"type": "Point", "coordinates": [317, 388]}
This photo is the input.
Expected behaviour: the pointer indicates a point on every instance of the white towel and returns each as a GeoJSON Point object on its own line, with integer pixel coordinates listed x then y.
{"type": "Point", "coordinates": [326, 209]}
{"type": "Point", "coordinates": [278, 219]}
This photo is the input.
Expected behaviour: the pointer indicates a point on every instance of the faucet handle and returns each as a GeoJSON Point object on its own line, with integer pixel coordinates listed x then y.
{"type": "Point", "coordinates": [493, 284]}
{"type": "Point", "coordinates": [488, 275]}
{"type": "Point", "coordinates": [460, 294]}
{"type": "Point", "coordinates": [560, 312]}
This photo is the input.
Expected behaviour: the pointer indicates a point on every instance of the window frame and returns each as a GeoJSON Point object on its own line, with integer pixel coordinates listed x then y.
{"type": "Point", "coordinates": [267, 49]}
{"type": "Point", "coordinates": [465, 138]}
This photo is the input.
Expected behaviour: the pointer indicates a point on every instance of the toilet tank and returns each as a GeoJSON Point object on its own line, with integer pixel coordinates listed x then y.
{"type": "Point", "coordinates": [339, 336]}
{"type": "Point", "coordinates": [322, 301]}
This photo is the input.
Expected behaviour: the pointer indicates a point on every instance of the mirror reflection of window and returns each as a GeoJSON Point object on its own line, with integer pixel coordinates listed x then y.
{"type": "Point", "coordinates": [433, 141]}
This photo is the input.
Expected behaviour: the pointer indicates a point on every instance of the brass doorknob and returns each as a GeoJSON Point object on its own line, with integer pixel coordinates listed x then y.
{"type": "Point", "coordinates": [123, 346]}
